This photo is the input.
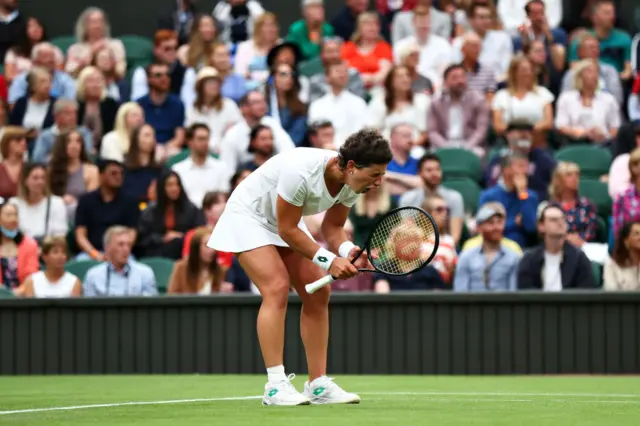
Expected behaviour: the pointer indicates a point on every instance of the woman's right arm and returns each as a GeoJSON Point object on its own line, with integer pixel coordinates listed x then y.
{"type": "Point", "coordinates": [609, 276]}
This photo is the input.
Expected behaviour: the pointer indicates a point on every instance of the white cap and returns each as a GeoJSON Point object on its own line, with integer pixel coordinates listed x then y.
{"type": "Point", "coordinates": [312, 2]}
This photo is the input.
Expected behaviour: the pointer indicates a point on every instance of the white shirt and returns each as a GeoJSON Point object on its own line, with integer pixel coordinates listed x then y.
{"type": "Point", "coordinates": [604, 112]}
{"type": "Point", "coordinates": [32, 217]}
{"type": "Point", "coordinates": [235, 143]}
{"type": "Point", "coordinates": [35, 114]}
{"type": "Point", "coordinates": [213, 175]}
{"type": "Point", "coordinates": [552, 274]}
{"type": "Point", "coordinates": [111, 147]}
{"type": "Point", "coordinates": [218, 121]}
{"type": "Point", "coordinates": [435, 55]}
{"type": "Point", "coordinates": [512, 13]}
{"type": "Point", "coordinates": [456, 120]}
{"type": "Point", "coordinates": [496, 52]}
{"type": "Point", "coordinates": [43, 288]}
{"type": "Point", "coordinates": [529, 109]}
{"type": "Point", "coordinates": [346, 111]}
{"type": "Point", "coordinates": [298, 177]}
{"type": "Point", "coordinates": [415, 114]}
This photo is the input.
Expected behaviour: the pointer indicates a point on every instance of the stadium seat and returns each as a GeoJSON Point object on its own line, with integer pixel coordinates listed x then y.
{"type": "Point", "coordinates": [460, 163]}
{"type": "Point", "coordinates": [139, 50]}
{"type": "Point", "coordinates": [469, 190]}
{"type": "Point", "coordinates": [171, 161]}
{"type": "Point", "coordinates": [597, 273]}
{"type": "Point", "coordinates": [602, 234]}
{"type": "Point", "coordinates": [64, 42]}
{"type": "Point", "coordinates": [5, 293]}
{"type": "Point", "coordinates": [79, 268]}
{"type": "Point", "coordinates": [598, 193]}
{"type": "Point", "coordinates": [593, 161]}
{"type": "Point", "coordinates": [162, 269]}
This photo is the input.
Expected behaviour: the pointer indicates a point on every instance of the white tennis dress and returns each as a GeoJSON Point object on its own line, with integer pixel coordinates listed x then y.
{"type": "Point", "coordinates": [249, 219]}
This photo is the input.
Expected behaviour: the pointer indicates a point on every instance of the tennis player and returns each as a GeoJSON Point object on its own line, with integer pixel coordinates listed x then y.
{"type": "Point", "coordinates": [262, 223]}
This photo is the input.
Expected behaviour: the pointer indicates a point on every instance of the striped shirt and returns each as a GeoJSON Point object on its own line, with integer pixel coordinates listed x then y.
{"type": "Point", "coordinates": [482, 79]}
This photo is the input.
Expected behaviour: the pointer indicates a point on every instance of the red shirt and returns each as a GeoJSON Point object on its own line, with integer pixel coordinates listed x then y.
{"type": "Point", "coordinates": [636, 86]}
{"type": "Point", "coordinates": [224, 259]}
{"type": "Point", "coordinates": [3, 88]}
{"type": "Point", "coordinates": [369, 63]}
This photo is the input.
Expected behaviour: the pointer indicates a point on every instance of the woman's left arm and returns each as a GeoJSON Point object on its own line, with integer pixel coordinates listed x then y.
{"type": "Point", "coordinates": [547, 118]}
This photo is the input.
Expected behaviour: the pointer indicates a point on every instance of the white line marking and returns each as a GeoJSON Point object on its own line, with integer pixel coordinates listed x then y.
{"type": "Point", "coordinates": [594, 395]}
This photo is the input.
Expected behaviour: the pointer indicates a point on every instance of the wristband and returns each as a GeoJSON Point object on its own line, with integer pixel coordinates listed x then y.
{"type": "Point", "coordinates": [323, 258]}
{"type": "Point", "coordinates": [94, 253]}
{"type": "Point", "coordinates": [345, 248]}
{"type": "Point", "coordinates": [524, 195]}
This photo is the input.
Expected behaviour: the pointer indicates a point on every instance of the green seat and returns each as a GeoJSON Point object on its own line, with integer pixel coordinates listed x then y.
{"type": "Point", "coordinates": [5, 293]}
{"type": "Point", "coordinates": [79, 268]}
{"type": "Point", "coordinates": [171, 161]}
{"type": "Point", "coordinates": [469, 190]}
{"type": "Point", "coordinates": [596, 268]}
{"type": "Point", "coordinates": [460, 163]}
{"type": "Point", "coordinates": [593, 161]}
{"type": "Point", "coordinates": [162, 269]}
{"type": "Point", "coordinates": [602, 234]}
{"type": "Point", "coordinates": [598, 193]}
{"type": "Point", "coordinates": [64, 42]}
{"type": "Point", "coordinates": [139, 50]}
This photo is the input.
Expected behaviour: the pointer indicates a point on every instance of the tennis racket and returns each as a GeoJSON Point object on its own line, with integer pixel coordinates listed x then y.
{"type": "Point", "coordinates": [402, 242]}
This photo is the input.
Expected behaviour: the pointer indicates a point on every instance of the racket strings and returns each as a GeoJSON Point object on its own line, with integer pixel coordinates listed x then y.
{"type": "Point", "coordinates": [403, 241]}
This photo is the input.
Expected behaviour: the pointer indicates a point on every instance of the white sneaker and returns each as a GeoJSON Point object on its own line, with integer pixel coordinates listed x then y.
{"type": "Point", "coordinates": [325, 391]}
{"type": "Point", "coordinates": [283, 393]}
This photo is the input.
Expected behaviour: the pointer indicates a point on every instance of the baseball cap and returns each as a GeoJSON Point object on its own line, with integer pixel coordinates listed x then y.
{"type": "Point", "coordinates": [488, 211]}
{"type": "Point", "coordinates": [312, 2]}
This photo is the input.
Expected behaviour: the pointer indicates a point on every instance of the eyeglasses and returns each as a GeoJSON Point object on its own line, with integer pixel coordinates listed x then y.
{"type": "Point", "coordinates": [159, 74]}
{"type": "Point", "coordinates": [284, 74]}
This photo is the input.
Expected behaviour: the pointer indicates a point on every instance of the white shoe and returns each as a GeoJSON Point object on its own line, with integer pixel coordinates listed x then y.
{"type": "Point", "coordinates": [323, 390]}
{"type": "Point", "coordinates": [283, 393]}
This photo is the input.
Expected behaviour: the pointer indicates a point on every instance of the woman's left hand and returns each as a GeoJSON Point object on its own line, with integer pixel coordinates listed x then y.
{"type": "Point", "coordinates": [363, 260]}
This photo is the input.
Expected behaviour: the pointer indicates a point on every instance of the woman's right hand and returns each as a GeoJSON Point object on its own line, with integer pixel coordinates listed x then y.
{"type": "Point", "coordinates": [172, 235]}
{"type": "Point", "coordinates": [342, 269]}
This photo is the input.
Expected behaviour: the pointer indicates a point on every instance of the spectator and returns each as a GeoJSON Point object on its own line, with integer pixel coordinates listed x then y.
{"type": "Point", "coordinates": [19, 258]}
{"type": "Point", "coordinates": [345, 22]}
{"type": "Point", "coordinates": [198, 52]}
{"type": "Point", "coordinates": [96, 111]}
{"type": "Point", "coordinates": [619, 173]}
{"type": "Point", "coordinates": [317, 68]}
{"type": "Point", "coordinates": [404, 22]}
{"type": "Point", "coordinates": [34, 111]}
{"type": "Point", "coordinates": [308, 32]}
{"type": "Point", "coordinates": [492, 263]}
{"type": "Point", "coordinates": [285, 106]}
{"type": "Point", "coordinates": [71, 174]}
{"type": "Point", "coordinates": [18, 57]}
{"type": "Point", "coordinates": [238, 19]}
{"type": "Point", "coordinates": [163, 110]}
{"type": "Point", "coordinates": [346, 112]}
{"type": "Point", "coordinates": [213, 205]}
{"type": "Point", "coordinates": [260, 145]}
{"type": "Point", "coordinates": [41, 214]}
{"type": "Point", "coordinates": [461, 15]}
{"type": "Point", "coordinates": [65, 116]}
{"type": "Point", "coordinates": [542, 164]}
{"type": "Point", "coordinates": [588, 47]}
{"type": "Point", "coordinates": [211, 108]}
{"type": "Point", "coordinates": [3, 94]}
{"type": "Point", "coordinates": [580, 211]}
{"type": "Point", "coordinates": [43, 55]}
{"type": "Point", "coordinates": [200, 273]}
{"type": "Point", "coordinates": [409, 56]}
{"type": "Point", "coordinates": [180, 20]}
{"type": "Point", "coordinates": [369, 208]}
{"type": "Point", "coordinates": [586, 114]}
{"type": "Point", "coordinates": [116, 143]}
{"type": "Point", "coordinates": [458, 117]}
{"type": "Point", "coordinates": [165, 48]}
{"type": "Point", "coordinates": [554, 265]}
{"type": "Point", "coordinates": [634, 101]}
{"type": "Point", "coordinates": [367, 51]}
{"type": "Point", "coordinates": [524, 101]}
{"type": "Point", "coordinates": [621, 270]}
{"type": "Point", "coordinates": [436, 52]}
{"type": "Point", "coordinates": [141, 168]}
{"type": "Point", "coordinates": [103, 208]}
{"type": "Point", "coordinates": [288, 53]}
{"type": "Point", "coordinates": [200, 173]}
{"type": "Point", "coordinates": [13, 147]}
{"type": "Point", "coordinates": [116, 88]}
{"type": "Point", "coordinates": [400, 105]}
{"type": "Point", "coordinates": [163, 225]}
{"type": "Point", "coordinates": [235, 143]}
{"type": "Point", "coordinates": [403, 169]}
{"type": "Point", "coordinates": [251, 55]}
{"type": "Point", "coordinates": [321, 135]}
{"type": "Point", "coordinates": [92, 33]}
{"type": "Point", "coordinates": [542, 73]}
{"type": "Point", "coordinates": [12, 25]}
{"type": "Point", "coordinates": [446, 256]}
{"type": "Point", "coordinates": [237, 178]}
{"type": "Point", "coordinates": [430, 172]}
{"type": "Point", "coordinates": [119, 274]}
{"type": "Point", "coordinates": [53, 282]}
{"type": "Point", "coordinates": [626, 206]}
{"type": "Point", "coordinates": [519, 201]}
{"type": "Point", "coordinates": [480, 77]}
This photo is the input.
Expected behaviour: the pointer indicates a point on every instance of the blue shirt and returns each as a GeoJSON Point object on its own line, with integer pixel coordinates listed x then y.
{"type": "Point", "coordinates": [408, 168]}
{"type": "Point", "coordinates": [615, 50]}
{"type": "Point", "coordinates": [473, 273]}
{"type": "Point", "coordinates": [135, 279]}
{"type": "Point", "coordinates": [559, 37]}
{"type": "Point", "coordinates": [164, 118]}
{"type": "Point", "coordinates": [46, 139]}
{"type": "Point", "coordinates": [62, 86]}
{"type": "Point", "coordinates": [234, 87]}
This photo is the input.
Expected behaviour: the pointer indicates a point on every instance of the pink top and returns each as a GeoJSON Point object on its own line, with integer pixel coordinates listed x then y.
{"type": "Point", "coordinates": [19, 64]}
{"type": "Point", "coordinates": [619, 176]}
{"type": "Point", "coordinates": [79, 56]}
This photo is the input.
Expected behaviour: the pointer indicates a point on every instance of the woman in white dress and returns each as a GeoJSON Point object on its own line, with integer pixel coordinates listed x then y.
{"type": "Point", "coordinates": [262, 224]}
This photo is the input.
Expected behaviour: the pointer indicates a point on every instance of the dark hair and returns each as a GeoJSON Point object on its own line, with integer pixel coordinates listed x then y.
{"type": "Point", "coordinates": [621, 253]}
{"type": "Point", "coordinates": [163, 202]}
{"type": "Point", "coordinates": [528, 5]}
{"type": "Point", "coordinates": [428, 157]}
{"type": "Point", "coordinates": [211, 198]}
{"type": "Point", "coordinates": [23, 191]}
{"type": "Point", "coordinates": [390, 94]}
{"type": "Point", "coordinates": [58, 167]}
{"type": "Point", "coordinates": [132, 158]}
{"type": "Point", "coordinates": [24, 46]}
{"type": "Point", "coordinates": [475, 6]}
{"type": "Point", "coordinates": [292, 96]}
{"type": "Point", "coordinates": [244, 100]}
{"type": "Point", "coordinates": [365, 148]}
{"type": "Point", "coordinates": [104, 164]}
{"type": "Point", "coordinates": [332, 64]}
{"type": "Point", "coordinates": [510, 158]}
{"type": "Point", "coordinates": [253, 134]}
{"type": "Point", "coordinates": [549, 206]}
{"type": "Point", "coordinates": [233, 182]}
{"type": "Point", "coordinates": [316, 126]}
{"type": "Point", "coordinates": [452, 68]}
{"type": "Point", "coordinates": [194, 262]}
{"type": "Point", "coordinates": [154, 64]}
{"type": "Point", "coordinates": [19, 236]}
{"type": "Point", "coordinates": [599, 3]}
{"type": "Point", "coordinates": [191, 130]}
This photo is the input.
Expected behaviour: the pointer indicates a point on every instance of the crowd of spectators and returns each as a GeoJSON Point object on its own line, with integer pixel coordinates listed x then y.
{"type": "Point", "coordinates": [115, 162]}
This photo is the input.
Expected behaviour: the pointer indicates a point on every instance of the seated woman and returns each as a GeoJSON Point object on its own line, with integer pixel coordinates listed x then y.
{"type": "Point", "coordinates": [18, 253]}
{"type": "Point", "coordinates": [446, 257]}
{"type": "Point", "coordinates": [261, 145]}
{"type": "Point", "coordinates": [368, 210]}
{"type": "Point", "coordinates": [41, 214]}
{"type": "Point", "coordinates": [621, 270]}
{"type": "Point", "coordinates": [115, 144]}
{"type": "Point", "coordinates": [53, 282]}
{"type": "Point", "coordinates": [619, 177]}
{"type": "Point", "coordinates": [237, 178]}
{"type": "Point", "coordinates": [115, 85]}
{"type": "Point", "coordinates": [141, 168]}
{"type": "Point", "coordinates": [13, 146]}
{"type": "Point", "coordinates": [213, 205]}
{"type": "Point", "coordinates": [96, 111]}
{"type": "Point", "coordinates": [409, 57]}
{"type": "Point", "coordinates": [203, 35]}
{"type": "Point", "coordinates": [580, 211]}
{"type": "Point", "coordinates": [626, 205]}
{"type": "Point", "coordinates": [199, 273]}
{"type": "Point", "coordinates": [163, 225]}
{"type": "Point", "coordinates": [34, 111]}
{"type": "Point", "coordinates": [71, 173]}
{"type": "Point", "coordinates": [251, 55]}
{"type": "Point", "coordinates": [282, 94]}
{"type": "Point", "coordinates": [588, 114]}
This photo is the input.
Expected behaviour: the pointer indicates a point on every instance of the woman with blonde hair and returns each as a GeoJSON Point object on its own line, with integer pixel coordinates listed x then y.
{"type": "Point", "coordinates": [196, 54]}
{"type": "Point", "coordinates": [96, 111]}
{"type": "Point", "coordinates": [115, 144]}
{"type": "Point", "coordinates": [580, 211]}
{"type": "Point", "coordinates": [93, 33]}
{"type": "Point", "coordinates": [251, 55]}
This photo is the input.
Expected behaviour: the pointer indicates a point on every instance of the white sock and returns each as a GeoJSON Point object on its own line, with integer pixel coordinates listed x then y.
{"type": "Point", "coordinates": [276, 374]}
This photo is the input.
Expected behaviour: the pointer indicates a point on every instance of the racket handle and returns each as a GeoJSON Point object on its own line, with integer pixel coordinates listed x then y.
{"type": "Point", "coordinates": [317, 285]}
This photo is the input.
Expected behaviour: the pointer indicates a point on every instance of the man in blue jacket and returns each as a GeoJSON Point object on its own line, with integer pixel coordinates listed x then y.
{"type": "Point", "coordinates": [520, 202]}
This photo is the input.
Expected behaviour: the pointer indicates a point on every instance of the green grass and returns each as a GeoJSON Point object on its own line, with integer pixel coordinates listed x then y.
{"type": "Point", "coordinates": [418, 400]}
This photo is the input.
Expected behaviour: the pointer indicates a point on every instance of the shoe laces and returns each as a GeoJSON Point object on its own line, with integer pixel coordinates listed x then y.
{"type": "Point", "coordinates": [328, 382]}
{"type": "Point", "coordinates": [288, 386]}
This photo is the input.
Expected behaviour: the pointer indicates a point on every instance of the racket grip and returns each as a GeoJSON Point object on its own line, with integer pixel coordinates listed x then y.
{"type": "Point", "coordinates": [317, 285]}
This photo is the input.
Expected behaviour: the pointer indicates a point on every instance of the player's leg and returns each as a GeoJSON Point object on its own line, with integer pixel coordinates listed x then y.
{"type": "Point", "coordinates": [314, 330]}
{"type": "Point", "coordinates": [265, 268]}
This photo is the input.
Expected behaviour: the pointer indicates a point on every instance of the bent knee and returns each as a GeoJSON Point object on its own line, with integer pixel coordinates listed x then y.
{"type": "Point", "coordinates": [318, 300]}
{"type": "Point", "coordinates": [275, 292]}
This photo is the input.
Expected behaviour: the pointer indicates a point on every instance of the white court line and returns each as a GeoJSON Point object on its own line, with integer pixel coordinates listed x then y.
{"type": "Point", "coordinates": [245, 398]}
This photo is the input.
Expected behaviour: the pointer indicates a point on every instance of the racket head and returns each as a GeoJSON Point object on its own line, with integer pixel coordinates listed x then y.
{"type": "Point", "coordinates": [391, 246]}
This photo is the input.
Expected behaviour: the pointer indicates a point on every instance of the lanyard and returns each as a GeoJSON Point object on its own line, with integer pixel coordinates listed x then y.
{"type": "Point", "coordinates": [108, 286]}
